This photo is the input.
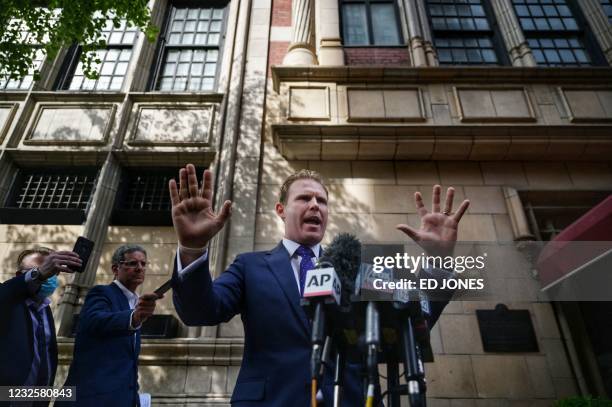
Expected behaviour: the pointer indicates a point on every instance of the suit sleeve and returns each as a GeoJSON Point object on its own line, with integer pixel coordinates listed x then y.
{"type": "Point", "coordinates": [97, 318]}
{"type": "Point", "coordinates": [200, 301]}
{"type": "Point", "coordinates": [440, 297]}
{"type": "Point", "coordinates": [13, 291]}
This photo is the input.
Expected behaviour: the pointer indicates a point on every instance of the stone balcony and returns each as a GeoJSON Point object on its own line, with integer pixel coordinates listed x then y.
{"type": "Point", "coordinates": [495, 113]}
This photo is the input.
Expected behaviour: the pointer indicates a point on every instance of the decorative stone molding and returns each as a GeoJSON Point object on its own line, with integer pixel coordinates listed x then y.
{"type": "Point", "coordinates": [587, 105]}
{"type": "Point", "coordinates": [301, 50]}
{"type": "Point", "coordinates": [170, 125]}
{"type": "Point", "coordinates": [498, 104]}
{"type": "Point", "coordinates": [71, 124]}
{"type": "Point", "coordinates": [7, 113]}
{"type": "Point", "coordinates": [309, 103]}
{"type": "Point", "coordinates": [385, 104]}
{"type": "Point", "coordinates": [518, 219]}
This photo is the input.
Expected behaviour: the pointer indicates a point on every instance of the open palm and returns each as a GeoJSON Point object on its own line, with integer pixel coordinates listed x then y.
{"type": "Point", "coordinates": [193, 217]}
{"type": "Point", "coordinates": [438, 231]}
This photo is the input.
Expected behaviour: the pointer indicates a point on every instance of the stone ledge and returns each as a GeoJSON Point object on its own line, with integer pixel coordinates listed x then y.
{"type": "Point", "coordinates": [173, 352]}
{"type": "Point", "coordinates": [480, 75]}
{"type": "Point", "coordinates": [429, 142]}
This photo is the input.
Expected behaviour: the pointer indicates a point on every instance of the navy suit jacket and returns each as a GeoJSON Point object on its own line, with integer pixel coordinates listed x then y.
{"type": "Point", "coordinates": [17, 338]}
{"type": "Point", "coordinates": [104, 368]}
{"type": "Point", "coordinates": [261, 287]}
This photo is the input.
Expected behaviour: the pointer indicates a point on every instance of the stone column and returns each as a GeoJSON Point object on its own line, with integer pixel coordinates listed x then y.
{"type": "Point", "coordinates": [601, 27]}
{"type": "Point", "coordinates": [512, 34]}
{"type": "Point", "coordinates": [301, 50]}
{"type": "Point", "coordinates": [416, 42]}
{"type": "Point", "coordinates": [95, 229]}
{"type": "Point", "coordinates": [330, 49]}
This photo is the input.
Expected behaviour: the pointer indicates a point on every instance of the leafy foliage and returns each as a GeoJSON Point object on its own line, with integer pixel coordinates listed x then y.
{"type": "Point", "coordinates": [28, 25]}
{"type": "Point", "coordinates": [580, 401]}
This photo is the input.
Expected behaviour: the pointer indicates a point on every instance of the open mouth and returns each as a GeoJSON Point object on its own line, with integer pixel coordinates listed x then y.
{"type": "Point", "coordinates": [312, 220]}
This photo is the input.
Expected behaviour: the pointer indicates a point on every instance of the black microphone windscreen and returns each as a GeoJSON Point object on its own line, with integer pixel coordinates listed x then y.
{"type": "Point", "coordinates": [345, 254]}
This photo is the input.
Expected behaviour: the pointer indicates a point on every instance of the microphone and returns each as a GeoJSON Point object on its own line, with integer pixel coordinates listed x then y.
{"type": "Point", "coordinates": [322, 288]}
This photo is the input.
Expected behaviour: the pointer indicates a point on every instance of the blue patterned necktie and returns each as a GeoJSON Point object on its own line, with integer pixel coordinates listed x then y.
{"type": "Point", "coordinates": [305, 264]}
{"type": "Point", "coordinates": [43, 368]}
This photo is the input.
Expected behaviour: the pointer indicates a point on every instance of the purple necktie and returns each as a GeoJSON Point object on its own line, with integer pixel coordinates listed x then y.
{"type": "Point", "coordinates": [305, 264]}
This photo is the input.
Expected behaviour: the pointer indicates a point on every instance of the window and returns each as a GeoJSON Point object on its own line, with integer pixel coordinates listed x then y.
{"type": "Point", "coordinates": [143, 198]}
{"type": "Point", "coordinates": [607, 7]}
{"type": "Point", "coordinates": [463, 32]}
{"type": "Point", "coordinates": [49, 196]}
{"type": "Point", "coordinates": [190, 49]}
{"type": "Point", "coordinates": [25, 83]}
{"type": "Point", "coordinates": [114, 61]}
{"type": "Point", "coordinates": [555, 33]}
{"type": "Point", "coordinates": [370, 22]}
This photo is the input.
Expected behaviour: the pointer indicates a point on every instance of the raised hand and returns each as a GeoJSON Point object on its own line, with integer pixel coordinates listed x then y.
{"type": "Point", "coordinates": [438, 231]}
{"type": "Point", "coordinates": [57, 262]}
{"type": "Point", "coordinates": [193, 217]}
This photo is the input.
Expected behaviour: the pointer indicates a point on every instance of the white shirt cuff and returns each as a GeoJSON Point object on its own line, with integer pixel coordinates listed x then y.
{"type": "Point", "coordinates": [195, 264]}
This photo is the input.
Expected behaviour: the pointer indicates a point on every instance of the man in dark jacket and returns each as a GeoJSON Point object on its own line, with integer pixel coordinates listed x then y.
{"type": "Point", "coordinates": [104, 368]}
{"type": "Point", "coordinates": [265, 287]}
{"type": "Point", "coordinates": [28, 348]}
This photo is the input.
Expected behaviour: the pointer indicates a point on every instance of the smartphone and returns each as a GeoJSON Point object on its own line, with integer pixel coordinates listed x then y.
{"type": "Point", "coordinates": [162, 289]}
{"type": "Point", "coordinates": [83, 247]}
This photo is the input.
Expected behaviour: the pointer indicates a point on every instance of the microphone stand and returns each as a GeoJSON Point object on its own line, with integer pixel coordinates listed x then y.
{"type": "Point", "coordinates": [408, 353]}
{"type": "Point", "coordinates": [338, 373]}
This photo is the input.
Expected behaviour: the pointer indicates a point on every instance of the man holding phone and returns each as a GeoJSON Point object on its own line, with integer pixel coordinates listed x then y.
{"type": "Point", "coordinates": [28, 348]}
{"type": "Point", "coordinates": [104, 368]}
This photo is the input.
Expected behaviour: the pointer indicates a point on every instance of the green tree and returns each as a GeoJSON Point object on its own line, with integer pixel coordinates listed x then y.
{"type": "Point", "coordinates": [30, 26]}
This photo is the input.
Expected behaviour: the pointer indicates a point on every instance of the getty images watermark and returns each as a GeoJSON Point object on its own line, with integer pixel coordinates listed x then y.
{"type": "Point", "coordinates": [406, 262]}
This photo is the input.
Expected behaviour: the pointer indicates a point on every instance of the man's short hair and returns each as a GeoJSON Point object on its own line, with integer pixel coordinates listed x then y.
{"type": "Point", "coordinates": [44, 251]}
{"type": "Point", "coordinates": [121, 251]}
{"type": "Point", "coordinates": [301, 174]}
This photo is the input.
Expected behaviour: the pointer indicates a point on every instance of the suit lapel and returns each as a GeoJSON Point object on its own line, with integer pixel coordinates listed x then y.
{"type": "Point", "coordinates": [280, 265]}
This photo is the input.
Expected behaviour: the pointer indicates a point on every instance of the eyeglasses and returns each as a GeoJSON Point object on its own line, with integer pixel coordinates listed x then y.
{"type": "Point", "coordinates": [134, 263]}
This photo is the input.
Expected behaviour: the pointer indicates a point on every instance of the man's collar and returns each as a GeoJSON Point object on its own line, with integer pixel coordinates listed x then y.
{"type": "Point", "coordinates": [292, 246]}
{"type": "Point", "coordinates": [125, 291]}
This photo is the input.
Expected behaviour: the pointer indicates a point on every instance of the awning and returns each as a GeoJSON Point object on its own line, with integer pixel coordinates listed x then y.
{"type": "Point", "coordinates": [562, 258]}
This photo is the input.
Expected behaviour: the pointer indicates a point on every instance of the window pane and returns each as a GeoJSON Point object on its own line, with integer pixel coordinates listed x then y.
{"type": "Point", "coordinates": [354, 24]}
{"type": "Point", "coordinates": [192, 67]}
{"type": "Point", "coordinates": [384, 24]}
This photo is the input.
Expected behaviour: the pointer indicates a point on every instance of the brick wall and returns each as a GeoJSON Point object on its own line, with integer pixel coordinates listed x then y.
{"type": "Point", "coordinates": [281, 13]}
{"type": "Point", "coordinates": [376, 56]}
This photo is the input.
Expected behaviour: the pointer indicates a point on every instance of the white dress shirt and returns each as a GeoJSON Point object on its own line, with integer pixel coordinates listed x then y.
{"type": "Point", "coordinates": [132, 299]}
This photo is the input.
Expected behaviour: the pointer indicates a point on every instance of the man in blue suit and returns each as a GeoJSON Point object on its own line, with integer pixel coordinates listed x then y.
{"type": "Point", "coordinates": [104, 368]}
{"type": "Point", "coordinates": [28, 348]}
{"type": "Point", "coordinates": [265, 287]}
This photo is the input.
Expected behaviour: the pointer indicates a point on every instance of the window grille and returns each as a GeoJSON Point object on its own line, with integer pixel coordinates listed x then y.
{"type": "Point", "coordinates": [143, 198]}
{"type": "Point", "coordinates": [58, 196]}
{"type": "Point", "coordinates": [463, 32]}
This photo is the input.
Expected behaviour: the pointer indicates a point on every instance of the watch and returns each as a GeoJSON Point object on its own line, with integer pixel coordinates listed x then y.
{"type": "Point", "coordinates": [35, 274]}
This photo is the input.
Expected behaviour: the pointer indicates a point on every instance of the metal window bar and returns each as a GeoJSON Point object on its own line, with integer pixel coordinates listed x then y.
{"type": "Point", "coordinates": [54, 191]}
{"type": "Point", "coordinates": [146, 192]}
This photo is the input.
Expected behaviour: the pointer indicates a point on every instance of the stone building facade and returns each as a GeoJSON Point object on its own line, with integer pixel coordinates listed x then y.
{"type": "Point", "coordinates": [509, 101]}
